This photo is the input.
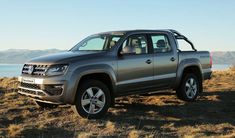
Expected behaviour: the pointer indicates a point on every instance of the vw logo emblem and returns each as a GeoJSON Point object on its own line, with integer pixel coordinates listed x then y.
{"type": "Point", "coordinates": [30, 69]}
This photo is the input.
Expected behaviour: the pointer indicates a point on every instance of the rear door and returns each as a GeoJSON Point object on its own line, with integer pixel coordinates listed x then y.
{"type": "Point", "coordinates": [135, 64]}
{"type": "Point", "coordinates": [165, 59]}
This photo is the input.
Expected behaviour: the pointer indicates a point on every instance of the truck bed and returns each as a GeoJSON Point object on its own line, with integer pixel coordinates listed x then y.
{"type": "Point", "coordinates": [202, 57]}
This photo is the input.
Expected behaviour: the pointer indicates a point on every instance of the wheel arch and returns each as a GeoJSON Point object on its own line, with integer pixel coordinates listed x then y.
{"type": "Point", "coordinates": [188, 66]}
{"type": "Point", "coordinates": [103, 73]}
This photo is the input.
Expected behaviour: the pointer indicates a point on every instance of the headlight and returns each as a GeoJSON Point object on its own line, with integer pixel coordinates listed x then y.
{"type": "Point", "coordinates": [56, 70]}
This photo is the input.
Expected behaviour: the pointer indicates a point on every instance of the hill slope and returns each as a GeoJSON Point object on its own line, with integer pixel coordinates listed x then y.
{"type": "Point", "coordinates": [20, 56]}
{"type": "Point", "coordinates": [223, 57]}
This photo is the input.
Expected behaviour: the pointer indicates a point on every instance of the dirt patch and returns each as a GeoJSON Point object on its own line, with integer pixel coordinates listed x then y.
{"type": "Point", "coordinates": [157, 115]}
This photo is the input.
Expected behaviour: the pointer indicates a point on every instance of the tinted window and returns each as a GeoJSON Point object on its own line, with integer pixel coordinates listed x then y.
{"type": "Point", "coordinates": [135, 44]}
{"type": "Point", "coordinates": [114, 40]}
{"type": "Point", "coordinates": [160, 43]}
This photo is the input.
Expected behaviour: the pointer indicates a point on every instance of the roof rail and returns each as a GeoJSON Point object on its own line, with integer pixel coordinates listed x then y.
{"type": "Point", "coordinates": [180, 36]}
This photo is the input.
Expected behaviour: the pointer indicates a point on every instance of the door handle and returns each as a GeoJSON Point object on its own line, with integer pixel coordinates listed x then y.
{"type": "Point", "coordinates": [148, 61]}
{"type": "Point", "coordinates": [172, 59]}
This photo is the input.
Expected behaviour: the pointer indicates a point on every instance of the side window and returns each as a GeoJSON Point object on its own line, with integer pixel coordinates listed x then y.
{"type": "Point", "coordinates": [136, 44]}
{"type": "Point", "coordinates": [160, 43]}
{"type": "Point", "coordinates": [114, 41]}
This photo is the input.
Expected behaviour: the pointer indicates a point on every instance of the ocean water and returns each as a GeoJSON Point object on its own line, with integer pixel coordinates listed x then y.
{"type": "Point", "coordinates": [217, 67]}
{"type": "Point", "coordinates": [10, 70]}
{"type": "Point", "coordinates": [14, 70]}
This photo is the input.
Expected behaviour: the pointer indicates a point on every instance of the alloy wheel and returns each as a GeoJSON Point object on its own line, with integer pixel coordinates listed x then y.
{"type": "Point", "coordinates": [93, 100]}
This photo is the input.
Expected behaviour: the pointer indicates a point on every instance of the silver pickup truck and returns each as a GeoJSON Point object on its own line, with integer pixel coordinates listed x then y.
{"type": "Point", "coordinates": [107, 65]}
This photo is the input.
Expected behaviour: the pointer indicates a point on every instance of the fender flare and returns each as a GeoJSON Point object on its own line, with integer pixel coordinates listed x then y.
{"type": "Point", "coordinates": [86, 70]}
{"type": "Point", "coordinates": [192, 62]}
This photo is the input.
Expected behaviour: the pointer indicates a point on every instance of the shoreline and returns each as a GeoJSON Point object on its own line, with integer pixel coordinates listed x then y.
{"type": "Point", "coordinates": [8, 70]}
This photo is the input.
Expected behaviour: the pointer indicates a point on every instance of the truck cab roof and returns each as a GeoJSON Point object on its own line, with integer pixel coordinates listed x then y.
{"type": "Point", "coordinates": [122, 32]}
{"type": "Point", "coordinates": [174, 32]}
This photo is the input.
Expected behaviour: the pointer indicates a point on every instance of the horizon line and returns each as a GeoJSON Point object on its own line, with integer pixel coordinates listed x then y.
{"type": "Point", "coordinates": [67, 49]}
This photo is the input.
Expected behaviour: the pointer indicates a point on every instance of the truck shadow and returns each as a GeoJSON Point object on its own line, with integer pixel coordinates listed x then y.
{"type": "Point", "coordinates": [220, 109]}
{"type": "Point", "coordinates": [47, 132]}
{"type": "Point", "coordinates": [1, 90]}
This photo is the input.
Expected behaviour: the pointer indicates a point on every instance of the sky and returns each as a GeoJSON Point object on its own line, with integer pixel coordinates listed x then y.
{"type": "Point", "coordinates": [47, 24]}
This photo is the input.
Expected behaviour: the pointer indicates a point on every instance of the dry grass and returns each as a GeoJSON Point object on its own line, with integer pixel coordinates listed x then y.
{"type": "Point", "coordinates": [84, 135]}
{"type": "Point", "coordinates": [156, 115]}
{"type": "Point", "coordinates": [14, 130]}
{"type": "Point", "coordinates": [133, 134]}
{"type": "Point", "coordinates": [8, 84]}
{"type": "Point", "coordinates": [109, 129]}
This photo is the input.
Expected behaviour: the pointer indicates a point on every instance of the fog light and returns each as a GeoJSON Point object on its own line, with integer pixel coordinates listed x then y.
{"type": "Point", "coordinates": [53, 89]}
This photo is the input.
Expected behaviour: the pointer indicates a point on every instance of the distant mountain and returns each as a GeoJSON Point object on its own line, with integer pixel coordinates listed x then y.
{"type": "Point", "coordinates": [20, 56]}
{"type": "Point", "coordinates": [223, 57]}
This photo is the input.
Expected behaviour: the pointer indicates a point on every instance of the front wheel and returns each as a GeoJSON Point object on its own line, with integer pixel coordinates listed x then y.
{"type": "Point", "coordinates": [92, 100]}
{"type": "Point", "coordinates": [189, 88]}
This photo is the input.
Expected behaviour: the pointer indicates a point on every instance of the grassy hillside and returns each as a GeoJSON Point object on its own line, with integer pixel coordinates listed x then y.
{"type": "Point", "coordinates": [157, 115]}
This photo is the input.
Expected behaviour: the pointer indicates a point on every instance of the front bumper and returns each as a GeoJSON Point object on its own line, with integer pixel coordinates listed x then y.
{"type": "Point", "coordinates": [49, 90]}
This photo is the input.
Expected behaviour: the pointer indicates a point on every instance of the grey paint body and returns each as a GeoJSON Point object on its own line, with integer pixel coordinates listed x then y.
{"type": "Point", "coordinates": [130, 74]}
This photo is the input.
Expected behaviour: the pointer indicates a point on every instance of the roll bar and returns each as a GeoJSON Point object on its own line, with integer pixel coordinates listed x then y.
{"type": "Point", "coordinates": [180, 36]}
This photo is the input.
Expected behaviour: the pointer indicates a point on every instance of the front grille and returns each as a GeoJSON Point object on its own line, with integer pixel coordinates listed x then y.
{"type": "Point", "coordinates": [31, 86]}
{"type": "Point", "coordinates": [32, 92]}
{"type": "Point", "coordinates": [37, 89]}
{"type": "Point", "coordinates": [38, 70]}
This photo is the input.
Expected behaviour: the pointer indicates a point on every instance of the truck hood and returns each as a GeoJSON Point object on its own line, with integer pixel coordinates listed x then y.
{"type": "Point", "coordinates": [65, 57]}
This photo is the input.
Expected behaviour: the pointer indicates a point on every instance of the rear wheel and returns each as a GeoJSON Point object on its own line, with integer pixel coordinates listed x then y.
{"type": "Point", "coordinates": [46, 105]}
{"type": "Point", "coordinates": [93, 99]}
{"type": "Point", "coordinates": [189, 88]}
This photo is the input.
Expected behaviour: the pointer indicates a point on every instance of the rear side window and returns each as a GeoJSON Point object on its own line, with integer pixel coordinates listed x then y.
{"type": "Point", "coordinates": [161, 43]}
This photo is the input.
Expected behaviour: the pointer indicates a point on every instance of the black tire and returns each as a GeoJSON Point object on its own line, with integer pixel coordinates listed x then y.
{"type": "Point", "coordinates": [94, 86]}
{"type": "Point", "coordinates": [187, 90]}
{"type": "Point", "coordinates": [46, 105]}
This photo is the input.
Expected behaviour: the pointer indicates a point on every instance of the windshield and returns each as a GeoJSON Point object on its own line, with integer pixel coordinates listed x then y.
{"type": "Point", "coordinates": [97, 42]}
